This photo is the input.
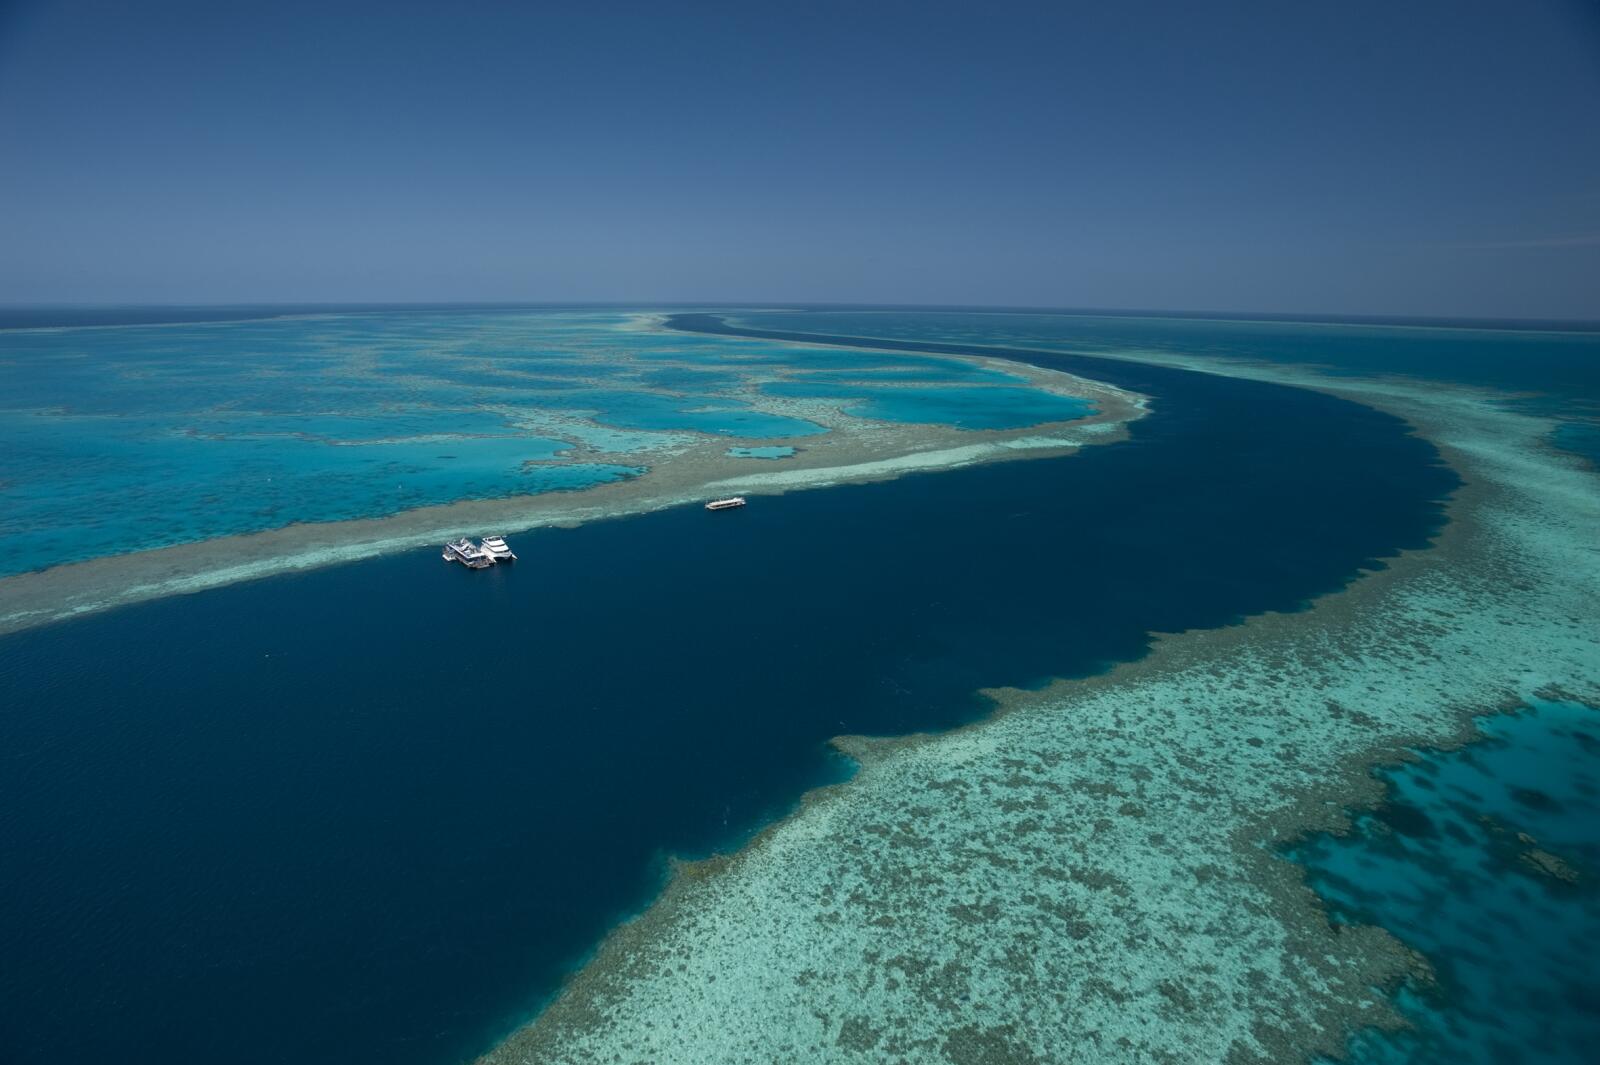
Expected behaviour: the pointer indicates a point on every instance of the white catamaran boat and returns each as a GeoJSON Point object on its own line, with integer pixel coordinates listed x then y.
{"type": "Point", "coordinates": [726, 504]}
{"type": "Point", "coordinates": [496, 548]}
{"type": "Point", "coordinates": [468, 554]}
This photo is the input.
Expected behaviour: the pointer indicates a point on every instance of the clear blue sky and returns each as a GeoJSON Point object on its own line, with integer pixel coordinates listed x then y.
{"type": "Point", "coordinates": [1359, 157]}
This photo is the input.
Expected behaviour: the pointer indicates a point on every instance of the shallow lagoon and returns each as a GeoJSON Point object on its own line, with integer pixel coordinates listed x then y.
{"type": "Point", "coordinates": [85, 487]}
{"type": "Point", "coordinates": [964, 407]}
{"type": "Point", "coordinates": [913, 373]}
{"type": "Point", "coordinates": [136, 437]}
{"type": "Point", "coordinates": [701, 414]}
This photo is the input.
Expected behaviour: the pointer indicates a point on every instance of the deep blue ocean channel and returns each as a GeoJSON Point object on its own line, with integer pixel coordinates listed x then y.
{"type": "Point", "coordinates": [374, 813]}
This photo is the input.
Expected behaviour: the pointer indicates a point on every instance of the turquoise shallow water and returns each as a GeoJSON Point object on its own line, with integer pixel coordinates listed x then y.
{"type": "Point", "coordinates": [697, 413]}
{"type": "Point", "coordinates": [916, 371]}
{"type": "Point", "coordinates": [964, 407]}
{"type": "Point", "coordinates": [121, 438]}
{"type": "Point", "coordinates": [1448, 865]}
{"type": "Point", "coordinates": [78, 487]}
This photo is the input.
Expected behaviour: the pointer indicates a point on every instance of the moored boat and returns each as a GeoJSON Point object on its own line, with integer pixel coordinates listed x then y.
{"type": "Point", "coordinates": [467, 553]}
{"type": "Point", "coordinates": [726, 504]}
{"type": "Point", "coordinates": [497, 549]}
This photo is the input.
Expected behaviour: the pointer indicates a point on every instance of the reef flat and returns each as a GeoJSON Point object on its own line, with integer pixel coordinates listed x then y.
{"type": "Point", "coordinates": [627, 418]}
{"type": "Point", "coordinates": [1090, 874]}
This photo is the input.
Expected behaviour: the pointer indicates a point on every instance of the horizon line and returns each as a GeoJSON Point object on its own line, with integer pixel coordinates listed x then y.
{"type": "Point", "coordinates": [1310, 317]}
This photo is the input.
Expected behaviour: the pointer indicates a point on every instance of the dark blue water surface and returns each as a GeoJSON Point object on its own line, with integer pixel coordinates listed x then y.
{"type": "Point", "coordinates": [373, 813]}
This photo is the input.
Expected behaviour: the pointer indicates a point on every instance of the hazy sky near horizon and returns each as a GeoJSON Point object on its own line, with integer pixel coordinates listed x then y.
{"type": "Point", "coordinates": [1429, 157]}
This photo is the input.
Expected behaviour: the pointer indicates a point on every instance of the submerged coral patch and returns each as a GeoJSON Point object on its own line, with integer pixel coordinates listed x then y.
{"type": "Point", "coordinates": [769, 452]}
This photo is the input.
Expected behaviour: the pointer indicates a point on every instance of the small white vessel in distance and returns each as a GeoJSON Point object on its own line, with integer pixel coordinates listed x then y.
{"type": "Point", "coordinates": [726, 504]}
{"type": "Point", "coordinates": [466, 553]}
{"type": "Point", "coordinates": [497, 549]}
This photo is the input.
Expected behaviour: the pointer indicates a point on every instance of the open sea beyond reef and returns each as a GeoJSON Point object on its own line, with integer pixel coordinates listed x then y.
{"type": "Point", "coordinates": [378, 812]}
